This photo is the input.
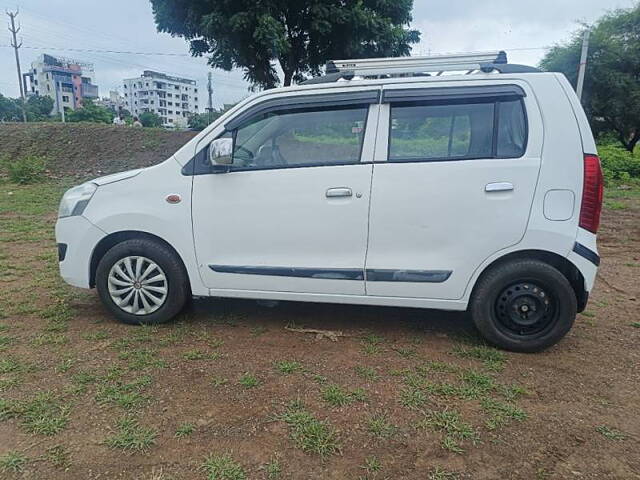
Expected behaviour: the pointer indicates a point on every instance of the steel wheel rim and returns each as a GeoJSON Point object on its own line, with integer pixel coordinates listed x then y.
{"type": "Point", "coordinates": [137, 285]}
{"type": "Point", "coordinates": [525, 309]}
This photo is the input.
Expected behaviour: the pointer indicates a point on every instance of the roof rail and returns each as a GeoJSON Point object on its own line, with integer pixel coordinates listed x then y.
{"type": "Point", "coordinates": [376, 67]}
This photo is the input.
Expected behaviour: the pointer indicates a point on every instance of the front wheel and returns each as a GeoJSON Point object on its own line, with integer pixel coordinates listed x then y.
{"type": "Point", "coordinates": [142, 282]}
{"type": "Point", "coordinates": [523, 305]}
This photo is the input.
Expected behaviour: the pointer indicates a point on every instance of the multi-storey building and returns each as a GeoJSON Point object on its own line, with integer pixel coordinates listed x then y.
{"type": "Point", "coordinates": [68, 82]}
{"type": "Point", "coordinates": [174, 99]}
{"type": "Point", "coordinates": [114, 102]}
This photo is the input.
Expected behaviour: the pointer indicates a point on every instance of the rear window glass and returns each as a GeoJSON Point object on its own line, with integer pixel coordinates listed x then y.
{"type": "Point", "coordinates": [470, 130]}
{"type": "Point", "coordinates": [441, 131]}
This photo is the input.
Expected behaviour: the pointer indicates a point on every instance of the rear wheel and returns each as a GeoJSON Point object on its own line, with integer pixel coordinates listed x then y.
{"type": "Point", "coordinates": [524, 305]}
{"type": "Point", "coordinates": [142, 282]}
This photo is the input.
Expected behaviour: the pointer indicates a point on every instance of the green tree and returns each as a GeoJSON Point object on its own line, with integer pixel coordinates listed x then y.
{"type": "Point", "coordinates": [199, 121]}
{"type": "Point", "coordinates": [611, 94]}
{"type": "Point", "coordinates": [90, 112]}
{"type": "Point", "coordinates": [9, 110]}
{"type": "Point", "coordinates": [150, 119]}
{"type": "Point", "coordinates": [301, 35]}
{"type": "Point", "coordinates": [38, 108]}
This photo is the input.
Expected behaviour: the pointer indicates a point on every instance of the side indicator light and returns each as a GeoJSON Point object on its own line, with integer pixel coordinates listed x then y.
{"type": "Point", "coordinates": [173, 198]}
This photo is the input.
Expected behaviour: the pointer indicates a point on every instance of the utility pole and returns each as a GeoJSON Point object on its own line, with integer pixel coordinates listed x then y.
{"type": "Point", "coordinates": [16, 46]}
{"type": "Point", "coordinates": [583, 63]}
{"type": "Point", "coordinates": [210, 105]}
{"type": "Point", "coordinates": [59, 105]}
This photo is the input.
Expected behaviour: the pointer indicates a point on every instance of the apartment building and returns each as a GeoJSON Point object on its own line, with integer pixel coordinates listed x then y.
{"type": "Point", "coordinates": [68, 82]}
{"type": "Point", "coordinates": [114, 102]}
{"type": "Point", "coordinates": [174, 99]}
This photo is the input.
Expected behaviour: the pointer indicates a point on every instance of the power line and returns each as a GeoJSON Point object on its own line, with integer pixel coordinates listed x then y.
{"type": "Point", "coordinates": [100, 54]}
{"type": "Point", "coordinates": [101, 48]}
{"type": "Point", "coordinates": [186, 55]}
{"type": "Point", "coordinates": [119, 52]}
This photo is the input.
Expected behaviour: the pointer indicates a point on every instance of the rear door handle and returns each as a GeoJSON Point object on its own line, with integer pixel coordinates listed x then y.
{"type": "Point", "coordinates": [499, 187]}
{"type": "Point", "coordinates": [339, 192]}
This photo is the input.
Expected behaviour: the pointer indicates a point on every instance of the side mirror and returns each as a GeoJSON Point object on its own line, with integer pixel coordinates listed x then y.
{"type": "Point", "coordinates": [221, 152]}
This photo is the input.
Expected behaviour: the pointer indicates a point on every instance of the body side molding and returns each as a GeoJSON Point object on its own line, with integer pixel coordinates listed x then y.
{"type": "Point", "coordinates": [372, 275]}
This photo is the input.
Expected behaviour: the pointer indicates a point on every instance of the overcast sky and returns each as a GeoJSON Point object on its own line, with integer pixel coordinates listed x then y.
{"type": "Point", "coordinates": [80, 29]}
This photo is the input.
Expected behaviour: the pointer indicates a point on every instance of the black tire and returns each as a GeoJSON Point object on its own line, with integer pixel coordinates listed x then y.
{"type": "Point", "coordinates": [523, 306]}
{"type": "Point", "coordinates": [177, 281]}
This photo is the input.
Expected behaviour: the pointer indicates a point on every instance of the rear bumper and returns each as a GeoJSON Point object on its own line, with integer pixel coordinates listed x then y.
{"type": "Point", "coordinates": [584, 255]}
{"type": "Point", "coordinates": [76, 238]}
{"type": "Point", "coordinates": [587, 253]}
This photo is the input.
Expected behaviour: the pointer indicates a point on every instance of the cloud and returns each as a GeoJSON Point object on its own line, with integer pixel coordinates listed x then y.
{"type": "Point", "coordinates": [522, 28]}
{"type": "Point", "coordinates": [54, 26]}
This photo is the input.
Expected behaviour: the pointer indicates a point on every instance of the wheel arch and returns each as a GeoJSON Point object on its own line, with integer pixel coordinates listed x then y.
{"type": "Point", "coordinates": [111, 240]}
{"type": "Point", "coordinates": [564, 265]}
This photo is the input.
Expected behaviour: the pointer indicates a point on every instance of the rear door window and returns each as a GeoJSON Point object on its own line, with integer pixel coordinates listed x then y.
{"type": "Point", "coordinates": [472, 129]}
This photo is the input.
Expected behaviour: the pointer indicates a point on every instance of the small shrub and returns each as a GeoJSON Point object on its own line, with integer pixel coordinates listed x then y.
{"type": "Point", "coordinates": [618, 163]}
{"type": "Point", "coordinates": [273, 469]}
{"type": "Point", "coordinates": [286, 367]}
{"type": "Point", "coordinates": [12, 462]}
{"type": "Point", "coordinates": [131, 436]}
{"type": "Point", "coordinates": [43, 414]}
{"type": "Point", "coordinates": [610, 433]}
{"type": "Point", "coordinates": [223, 467]}
{"type": "Point", "coordinates": [380, 427]}
{"type": "Point", "coordinates": [336, 396]}
{"type": "Point", "coordinates": [501, 413]}
{"type": "Point", "coordinates": [185, 430]}
{"type": "Point", "coordinates": [249, 381]}
{"type": "Point", "coordinates": [58, 455]}
{"type": "Point", "coordinates": [25, 170]}
{"type": "Point", "coordinates": [310, 434]}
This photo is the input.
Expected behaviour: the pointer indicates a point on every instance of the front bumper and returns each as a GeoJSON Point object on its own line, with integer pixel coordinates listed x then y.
{"type": "Point", "coordinates": [80, 237]}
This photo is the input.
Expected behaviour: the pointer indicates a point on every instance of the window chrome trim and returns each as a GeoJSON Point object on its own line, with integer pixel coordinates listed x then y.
{"type": "Point", "coordinates": [339, 99]}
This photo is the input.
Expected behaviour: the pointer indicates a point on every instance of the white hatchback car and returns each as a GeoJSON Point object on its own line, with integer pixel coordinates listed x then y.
{"type": "Point", "coordinates": [477, 192]}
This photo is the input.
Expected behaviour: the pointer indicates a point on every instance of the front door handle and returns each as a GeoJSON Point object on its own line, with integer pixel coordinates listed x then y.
{"type": "Point", "coordinates": [499, 187]}
{"type": "Point", "coordinates": [339, 192]}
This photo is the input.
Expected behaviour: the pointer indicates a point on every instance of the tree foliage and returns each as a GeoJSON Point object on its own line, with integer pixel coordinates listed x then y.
{"type": "Point", "coordinates": [150, 119]}
{"type": "Point", "coordinates": [612, 83]}
{"type": "Point", "coordinates": [90, 112]}
{"type": "Point", "coordinates": [301, 35]}
{"type": "Point", "coordinates": [200, 121]}
{"type": "Point", "coordinates": [38, 108]}
{"type": "Point", "coordinates": [9, 110]}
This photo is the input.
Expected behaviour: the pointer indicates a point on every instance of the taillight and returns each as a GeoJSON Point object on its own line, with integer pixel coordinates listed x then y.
{"type": "Point", "coordinates": [591, 194]}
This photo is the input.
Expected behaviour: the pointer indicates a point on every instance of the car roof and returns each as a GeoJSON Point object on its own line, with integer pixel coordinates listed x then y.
{"type": "Point", "coordinates": [376, 82]}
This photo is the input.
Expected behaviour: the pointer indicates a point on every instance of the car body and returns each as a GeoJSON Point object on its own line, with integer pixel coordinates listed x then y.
{"type": "Point", "coordinates": [388, 191]}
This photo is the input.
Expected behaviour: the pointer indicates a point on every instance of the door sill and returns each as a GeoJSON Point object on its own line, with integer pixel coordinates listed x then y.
{"type": "Point", "coordinates": [412, 302]}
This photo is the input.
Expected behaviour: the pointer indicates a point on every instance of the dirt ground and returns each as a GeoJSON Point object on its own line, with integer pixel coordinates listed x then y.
{"type": "Point", "coordinates": [233, 391]}
{"type": "Point", "coordinates": [88, 150]}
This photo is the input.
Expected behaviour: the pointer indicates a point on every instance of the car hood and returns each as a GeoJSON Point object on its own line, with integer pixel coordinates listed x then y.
{"type": "Point", "coordinates": [116, 177]}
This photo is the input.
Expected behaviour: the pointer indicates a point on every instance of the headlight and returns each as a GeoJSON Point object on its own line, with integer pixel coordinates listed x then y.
{"type": "Point", "coordinates": [75, 200]}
